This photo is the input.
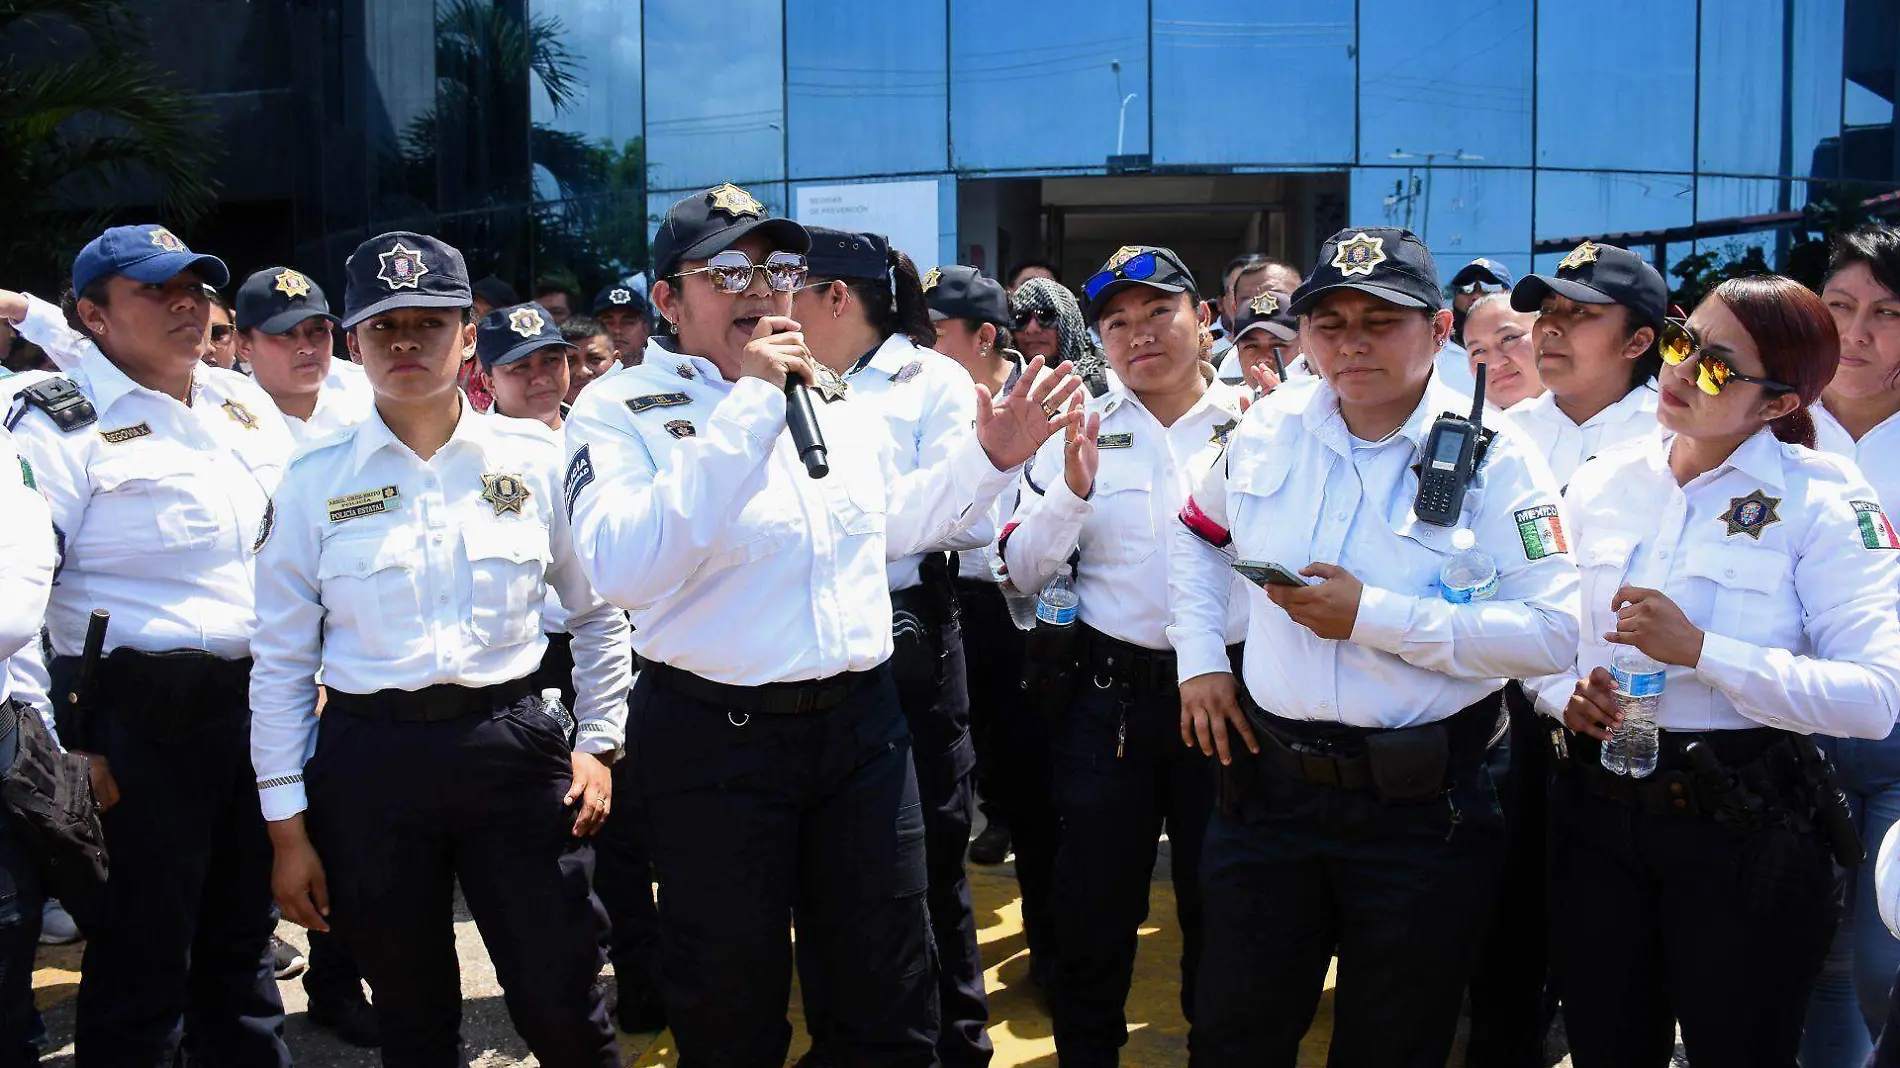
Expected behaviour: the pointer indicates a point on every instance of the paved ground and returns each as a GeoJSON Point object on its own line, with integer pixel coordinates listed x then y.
{"type": "Point", "coordinates": [1019, 1019]}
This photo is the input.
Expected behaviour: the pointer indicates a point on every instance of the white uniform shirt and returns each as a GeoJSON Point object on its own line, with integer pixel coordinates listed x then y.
{"type": "Point", "coordinates": [344, 400]}
{"type": "Point", "coordinates": [691, 510]}
{"type": "Point", "coordinates": [389, 572]}
{"type": "Point", "coordinates": [1802, 622]}
{"type": "Point", "coordinates": [26, 561]}
{"type": "Point", "coordinates": [1565, 445]}
{"type": "Point", "coordinates": [156, 506]}
{"type": "Point", "coordinates": [1875, 453]}
{"type": "Point", "coordinates": [1145, 474]}
{"type": "Point", "coordinates": [45, 325]}
{"type": "Point", "coordinates": [1297, 487]}
{"type": "Point", "coordinates": [929, 402]}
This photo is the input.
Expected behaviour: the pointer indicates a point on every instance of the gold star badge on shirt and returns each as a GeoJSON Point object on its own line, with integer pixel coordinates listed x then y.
{"type": "Point", "coordinates": [736, 202]}
{"type": "Point", "coordinates": [1582, 254]}
{"type": "Point", "coordinates": [526, 321]}
{"type": "Point", "coordinates": [505, 493]}
{"type": "Point", "coordinates": [1359, 254]}
{"type": "Point", "coordinates": [1752, 514]}
{"type": "Point", "coordinates": [831, 385]}
{"type": "Point", "coordinates": [292, 284]}
{"type": "Point", "coordinates": [240, 415]}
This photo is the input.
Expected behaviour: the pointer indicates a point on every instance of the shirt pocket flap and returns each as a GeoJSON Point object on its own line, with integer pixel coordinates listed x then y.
{"type": "Point", "coordinates": [365, 555]}
{"type": "Point", "coordinates": [1609, 550]}
{"type": "Point", "coordinates": [517, 543]}
{"type": "Point", "coordinates": [1123, 478]}
{"type": "Point", "coordinates": [1739, 567]}
{"type": "Point", "coordinates": [1260, 474]}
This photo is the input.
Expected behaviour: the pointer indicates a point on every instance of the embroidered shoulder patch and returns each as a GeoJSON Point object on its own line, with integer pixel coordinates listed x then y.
{"type": "Point", "coordinates": [1876, 531]}
{"type": "Point", "coordinates": [908, 371]}
{"type": "Point", "coordinates": [580, 472]}
{"type": "Point", "coordinates": [126, 433]}
{"type": "Point", "coordinates": [265, 527]}
{"type": "Point", "coordinates": [368, 502]}
{"type": "Point", "coordinates": [657, 400]}
{"type": "Point", "coordinates": [1542, 532]}
{"type": "Point", "coordinates": [26, 474]}
{"type": "Point", "coordinates": [681, 428]}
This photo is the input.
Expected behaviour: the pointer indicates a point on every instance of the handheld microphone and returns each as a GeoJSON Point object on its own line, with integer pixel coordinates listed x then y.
{"type": "Point", "coordinates": [802, 421]}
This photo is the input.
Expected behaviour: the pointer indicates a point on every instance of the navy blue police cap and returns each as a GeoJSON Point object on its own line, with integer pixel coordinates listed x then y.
{"type": "Point", "coordinates": [706, 223]}
{"type": "Point", "coordinates": [403, 269]}
{"type": "Point", "coordinates": [1595, 273]}
{"type": "Point", "coordinates": [1385, 262]}
{"type": "Point", "coordinates": [276, 299]}
{"type": "Point", "coordinates": [959, 292]}
{"type": "Point", "coordinates": [509, 334]}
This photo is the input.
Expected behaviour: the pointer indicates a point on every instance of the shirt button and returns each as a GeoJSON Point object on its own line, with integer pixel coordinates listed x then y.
{"type": "Point", "coordinates": [428, 483]}
{"type": "Point", "coordinates": [1730, 572]}
{"type": "Point", "coordinates": [444, 599]}
{"type": "Point", "coordinates": [438, 540]}
{"type": "Point", "coordinates": [1662, 554]}
{"type": "Point", "coordinates": [1339, 517]}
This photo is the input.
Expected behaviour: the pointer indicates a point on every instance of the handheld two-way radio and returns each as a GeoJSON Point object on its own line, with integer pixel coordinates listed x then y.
{"type": "Point", "coordinates": [1450, 461]}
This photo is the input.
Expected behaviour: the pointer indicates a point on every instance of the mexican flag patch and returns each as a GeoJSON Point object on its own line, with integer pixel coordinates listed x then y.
{"type": "Point", "coordinates": [1876, 532]}
{"type": "Point", "coordinates": [1541, 531]}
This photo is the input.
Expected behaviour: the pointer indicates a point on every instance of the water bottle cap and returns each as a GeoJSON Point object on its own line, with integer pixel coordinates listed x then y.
{"type": "Point", "coordinates": [551, 694]}
{"type": "Point", "coordinates": [1463, 538]}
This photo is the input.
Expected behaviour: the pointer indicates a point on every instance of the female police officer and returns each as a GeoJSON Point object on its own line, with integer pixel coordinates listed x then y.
{"type": "Point", "coordinates": [158, 469]}
{"type": "Point", "coordinates": [868, 327]}
{"type": "Point", "coordinates": [407, 558]}
{"type": "Point", "coordinates": [1765, 576]}
{"type": "Point", "coordinates": [1372, 830]}
{"type": "Point", "coordinates": [1598, 319]}
{"type": "Point", "coordinates": [1104, 498]}
{"type": "Point", "coordinates": [772, 757]}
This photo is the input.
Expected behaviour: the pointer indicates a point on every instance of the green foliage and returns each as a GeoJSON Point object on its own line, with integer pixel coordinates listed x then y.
{"type": "Point", "coordinates": [75, 130]}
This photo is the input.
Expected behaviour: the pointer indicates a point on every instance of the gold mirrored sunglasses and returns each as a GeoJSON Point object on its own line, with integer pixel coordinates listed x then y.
{"type": "Point", "coordinates": [1712, 373]}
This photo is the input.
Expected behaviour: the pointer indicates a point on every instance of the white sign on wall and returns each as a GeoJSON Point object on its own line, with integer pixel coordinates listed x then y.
{"type": "Point", "coordinates": [905, 212]}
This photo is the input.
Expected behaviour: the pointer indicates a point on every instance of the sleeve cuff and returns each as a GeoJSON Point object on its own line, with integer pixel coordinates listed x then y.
{"type": "Point", "coordinates": [756, 407]}
{"type": "Point", "coordinates": [1726, 663]}
{"type": "Point", "coordinates": [1063, 501]}
{"type": "Point", "coordinates": [1382, 620]}
{"type": "Point", "coordinates": [1551, 693]}
{"type": "Point", "coordinates": [1200, 654]}
{"type": "Point", "coordinates": [597, 737]}
{"type": "Point", "coordinates": [282, 801]}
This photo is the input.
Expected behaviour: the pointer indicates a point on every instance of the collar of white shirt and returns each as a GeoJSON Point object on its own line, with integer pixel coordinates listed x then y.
{"type": "Point", "coordinates": [1636, 401]}
{"type": "Point", "coordinates": [1324, 422]}
{"type": "Point", "coordinates": [1759, 458]}
{"type": "Point", "coordinates": [471, 428]}
{"type": "Point", "coordinates": [109, 384]}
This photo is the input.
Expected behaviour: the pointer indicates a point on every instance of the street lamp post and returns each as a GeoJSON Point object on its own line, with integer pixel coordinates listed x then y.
{"type": "Point", "coordinates": [1456, 155]}
{"type": "Point", "coordinates": [1121, 121]}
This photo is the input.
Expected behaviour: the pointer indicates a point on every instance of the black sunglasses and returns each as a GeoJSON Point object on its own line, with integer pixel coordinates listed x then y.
{"type": "Point", "coordinates": [220, 332]}
{"type": "Point", "coordinates": [1044, 317]}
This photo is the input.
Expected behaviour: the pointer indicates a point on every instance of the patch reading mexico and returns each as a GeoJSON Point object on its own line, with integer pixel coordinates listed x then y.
{"type": "Point", "coordinates": [657, 400]}
{"type": "Point", "coordinates": [680, 428]}
{"type": "Point", "coordinates": [1115, 441]}
{"type": "Point", "coordinates": [126, 433]}
{"type": "Point", "coordinates": [264, 528]}
{"type": "Point", "coordinates": [240, 415]}
{"type": "Point", "coordinates": [580, 472]}
{"type": "Point", "coordinates": [357, 505]}
{"type": "Point", "coordinates": [1752, 514]}
{"type": "Point", "coordinates": [1359, 254]}
{"type": "Point", "coordinates": [505, 493]}
{"type": "Point", "coordinates": [1542, 532]}
{"type": "Point", "coordinates": [1876, 532]}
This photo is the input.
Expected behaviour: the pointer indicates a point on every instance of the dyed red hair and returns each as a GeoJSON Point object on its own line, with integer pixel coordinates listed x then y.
{"type": "Point", "coordinates": [1796, 337]}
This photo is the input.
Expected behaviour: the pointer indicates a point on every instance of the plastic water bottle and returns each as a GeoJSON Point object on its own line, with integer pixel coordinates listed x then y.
{"type": "Point", "coordinates": [1470, 575]}
{"type": "Point", "coordinates": [552, 708]}
{"type": "Point", "coordinates": [1058, 604]}
{"type": "Point", "coordinates": [1022, 606]}
{"type": "Point", "coordinates": [1632, 748]}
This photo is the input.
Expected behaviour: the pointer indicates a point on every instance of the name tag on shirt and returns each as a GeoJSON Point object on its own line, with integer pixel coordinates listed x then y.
{"type": "Point", "coordinates": [126, 433]}
{"type": "Point", "coordinates": [369, 502]}
{"type": "Point", "coordinates": [657, 400]}
{"type": "Point", "coordinates": [1115, 441]}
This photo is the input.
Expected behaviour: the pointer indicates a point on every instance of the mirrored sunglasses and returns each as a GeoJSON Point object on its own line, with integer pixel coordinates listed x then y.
{"type": "Point", "coordinates": [1713, 373]}
{"type": "Point", "coordinates": [732, 272]}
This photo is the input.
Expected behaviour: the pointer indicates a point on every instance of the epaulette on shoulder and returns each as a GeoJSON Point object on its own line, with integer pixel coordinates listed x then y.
{"type": "Point", "coordinates": [326, 441]}
{"type": "Point", "coordinates": [62, 402]}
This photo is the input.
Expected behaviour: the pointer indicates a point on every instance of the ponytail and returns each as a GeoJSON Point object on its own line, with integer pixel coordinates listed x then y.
{"type": "Point", "coordinates": [894, 302]}
{"type": "Point", "coordinates": [1795, 428]}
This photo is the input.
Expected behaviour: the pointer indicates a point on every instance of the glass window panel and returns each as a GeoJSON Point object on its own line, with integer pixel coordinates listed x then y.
{"type": "Point", "coordinates": [770, 194]}
{"type": "Point", "coordinates": [867, 88]}
{"type": "Point", "coordinates": [1740, 129]}
{"type": "Point", "coordinates": [1217, 60]}
{"type": "Point", "coordinates": [1616, 84]}
{"type": "Point", "coordinates": [477, 133]}
{"type": "Point", "coordinates": [1817, 76]}
{"type": "Point", "coordinates": [1445, 76]}
{"type": "Point", "coordinates": [715, 92]}
{"type": "Point", "coordinates": [1731, 198]}
{"type": "Point", "coordinates": [1572, 205]}
{"type": "Point", "coordinates": [1472, 212]}
{"type": "Point", "coordinates": [1036, 85]}
{"type": "Point", "coordinates": [589, 155]}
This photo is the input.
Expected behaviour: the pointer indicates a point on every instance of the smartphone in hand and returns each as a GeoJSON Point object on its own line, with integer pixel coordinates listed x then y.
{"type": "Point", "coordinates": [1269, 574]}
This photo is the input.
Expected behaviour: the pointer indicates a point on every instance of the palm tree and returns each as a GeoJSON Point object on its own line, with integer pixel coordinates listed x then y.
{"type": "Point", "coordinates": [74, 131]}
